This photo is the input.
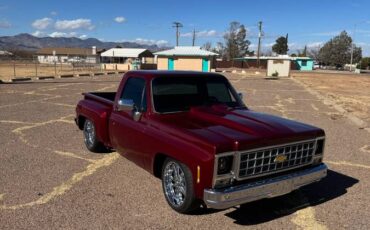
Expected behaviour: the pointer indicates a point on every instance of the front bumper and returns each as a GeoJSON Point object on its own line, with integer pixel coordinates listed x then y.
{"type": "Point", "coordinates": [266, 188]}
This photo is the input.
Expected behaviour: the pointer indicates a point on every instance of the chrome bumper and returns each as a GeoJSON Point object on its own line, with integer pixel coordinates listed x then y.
{"type": "Point", "coordinates": [267, 188]}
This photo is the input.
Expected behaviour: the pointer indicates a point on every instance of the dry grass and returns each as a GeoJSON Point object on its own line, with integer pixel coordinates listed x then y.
{"type": "Point", "coordinates": [350, 91]}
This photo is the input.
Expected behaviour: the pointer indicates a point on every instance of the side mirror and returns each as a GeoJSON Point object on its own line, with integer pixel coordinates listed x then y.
{"type": "Point", "coordinates": [125, 104]}
{"type": "Point", "coordinates": [129, 105]}
{"type": "Point", "coordinates": [240, 96]}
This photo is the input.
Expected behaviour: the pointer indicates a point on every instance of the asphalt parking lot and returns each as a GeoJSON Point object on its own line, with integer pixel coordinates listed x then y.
{"type": "Point", "coordinates": [49, 180]}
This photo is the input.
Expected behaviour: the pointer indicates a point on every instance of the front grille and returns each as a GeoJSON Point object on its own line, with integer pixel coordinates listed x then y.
{"type": "Point", "coordinates": [263, 161]}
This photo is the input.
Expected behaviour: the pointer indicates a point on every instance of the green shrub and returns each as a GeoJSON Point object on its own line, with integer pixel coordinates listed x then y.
{"type": "Point", "coordinates": [365, 63]}
{"type": "Point", "coordinates": [276, 74]}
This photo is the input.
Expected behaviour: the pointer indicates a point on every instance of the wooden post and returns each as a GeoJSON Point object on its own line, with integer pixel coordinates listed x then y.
{"type": "Point", "coordinates": [14, 67]}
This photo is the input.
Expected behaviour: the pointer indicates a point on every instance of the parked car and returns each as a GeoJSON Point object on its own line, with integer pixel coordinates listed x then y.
{"type": "Point", "coordinates": [193, 131]}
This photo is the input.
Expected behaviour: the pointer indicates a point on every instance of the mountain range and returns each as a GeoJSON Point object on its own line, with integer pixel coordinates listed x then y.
{"type": "Point", "coordinates": [27, 42]}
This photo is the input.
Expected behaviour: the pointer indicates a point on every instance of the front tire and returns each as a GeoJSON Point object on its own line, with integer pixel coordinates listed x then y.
{"type": "Point", "coordinates": [91, 141]}
{"type": "Point", "coordinates": [178, 188]}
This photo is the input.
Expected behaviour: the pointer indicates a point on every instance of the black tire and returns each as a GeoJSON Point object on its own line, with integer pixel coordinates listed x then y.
{"type": "Point", "coordinates": [91, 141]}
{"type": "Point", "coordinates": [189, 202]}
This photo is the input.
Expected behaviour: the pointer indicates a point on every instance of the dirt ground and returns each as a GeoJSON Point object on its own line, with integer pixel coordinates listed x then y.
{"type": "Point", "coordinates": [32, 70]}
{"type": "Point", "coordinates": [48, 180]}
{"type": "Point", "coordinates": [352, 92]}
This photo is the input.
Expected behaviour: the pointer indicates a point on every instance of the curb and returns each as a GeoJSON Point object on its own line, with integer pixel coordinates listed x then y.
{"type": "Point", "coordinates": [45, 77]}
{"type": "Point", "coordinates": [83, 75]}
{"type": "Point", "coordinates": [66, 76]}
{"type": "Point", "coordinates": [20, 79]}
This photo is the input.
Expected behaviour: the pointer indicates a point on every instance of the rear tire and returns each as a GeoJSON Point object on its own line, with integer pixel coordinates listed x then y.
{"type": "Point", "coordinates": [178, 188]}
{"type": "Point", "coordinates": [91, 141]}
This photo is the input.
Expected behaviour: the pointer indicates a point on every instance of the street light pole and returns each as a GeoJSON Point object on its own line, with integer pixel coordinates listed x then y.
{"type": "Point", "coordinates": [259, 43]}
{"type": "Point", "coordinates": [352, 48]}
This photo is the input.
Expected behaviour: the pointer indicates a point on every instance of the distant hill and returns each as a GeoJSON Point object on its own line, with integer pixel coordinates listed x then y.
{"type": "Point", "coordinates": [28, 42]}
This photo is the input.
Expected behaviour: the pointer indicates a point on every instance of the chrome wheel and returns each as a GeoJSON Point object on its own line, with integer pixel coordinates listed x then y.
{"type": "Point", "coordinates": [89, 133]}
{"type": "Point", "coordinates": [174, 184]}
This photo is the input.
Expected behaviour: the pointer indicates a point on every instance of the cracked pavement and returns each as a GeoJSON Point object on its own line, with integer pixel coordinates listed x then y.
{"type": "Point", "coordinates": [49, 180]}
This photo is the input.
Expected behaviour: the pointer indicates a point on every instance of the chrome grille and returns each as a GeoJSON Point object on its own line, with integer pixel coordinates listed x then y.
{"type": "Point", "coordinates": [263, 161]}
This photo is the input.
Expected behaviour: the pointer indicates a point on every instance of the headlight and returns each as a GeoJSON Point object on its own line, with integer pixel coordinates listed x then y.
{"type": "Point", "coordinates": [320, 147]}
{"type": "Point", "coordinates": [224, 165]}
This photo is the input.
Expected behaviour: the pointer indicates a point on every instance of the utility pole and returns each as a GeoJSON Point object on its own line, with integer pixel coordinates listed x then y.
{"type": "Point", "coordinates": [177, 25]}
{"type": "Point", "coordinates": [194, 34]}
{"type": "Point", "coordinates": [259, 43]}
{"type": "Point", "coordinates": [352, 48]}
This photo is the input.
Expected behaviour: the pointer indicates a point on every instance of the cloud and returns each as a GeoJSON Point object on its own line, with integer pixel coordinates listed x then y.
{"type": "Point", "coordinates": [4, 24]}
{"type": "Point", "coordinates": [120, 19]}
{"type": "Point", "coordinates": [39, 33]}
{"type": "Point", "coordinates": [41, 24]}
{"type": "Point", "coordinates": [83, 36]}
{"type": "Point", "coordinates": [203, 33]}
{"type": "Point", "coordinates": [315, 44]}
{"type": "Point", "coordinates": [75, 24]}
{"type": "Point", "coordinates": [53, 13]}
{"type": "Point", "coordinates": [143, 41]}
{"type": "Point", "coordinates": [328, 33]}
{"type": "Point", "coordinates": [58, 34]}
{"type": "Point", "coordinates": [363, 44]}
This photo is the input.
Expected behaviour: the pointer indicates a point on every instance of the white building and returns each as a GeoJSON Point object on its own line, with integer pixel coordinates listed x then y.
{"type": "Point", "coordinates": [67, 55]}
{"type": "Point", "coordinates": [127, 59]}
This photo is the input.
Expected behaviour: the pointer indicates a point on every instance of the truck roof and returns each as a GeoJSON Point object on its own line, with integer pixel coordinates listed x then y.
{"type": "Point", "coordinates": [170, 73]}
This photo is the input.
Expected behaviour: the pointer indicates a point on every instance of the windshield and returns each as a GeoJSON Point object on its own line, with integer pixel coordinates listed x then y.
{"type": "Point", "coordinates": [181, 93]}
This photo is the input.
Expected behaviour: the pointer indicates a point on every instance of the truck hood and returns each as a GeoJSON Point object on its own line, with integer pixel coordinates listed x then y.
{"type": "Point", "coordinates": [235, 129]}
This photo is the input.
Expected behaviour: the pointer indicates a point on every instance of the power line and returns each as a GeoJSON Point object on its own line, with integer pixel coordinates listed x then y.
{"type": "Point", "coordinates": [177, 25]}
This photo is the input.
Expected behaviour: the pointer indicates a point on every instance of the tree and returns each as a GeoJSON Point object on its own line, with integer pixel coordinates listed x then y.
{"type": "Point", "coordinates": [365, 63]}
{"type": "Point", "coordinates": [207, 46]}
{"type": "Point", "coordinates": [314, 53]}
{"type": "Point", "coordinates": [337, 51]}
{"type": "Point", "coordinates": [236, 44]}
{"type": "Point", "coordinates": [242, 42]}
{"type": "Point", "coordinates": [303, 53]}
{"type": "Point", "coordinates": [281, 45]}
{"type": "Point", "coordinates": [221, 50]}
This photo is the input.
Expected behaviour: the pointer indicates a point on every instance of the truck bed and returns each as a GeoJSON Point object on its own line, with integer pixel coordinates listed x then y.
{"type": "Point", "coordinates": [104, 97]}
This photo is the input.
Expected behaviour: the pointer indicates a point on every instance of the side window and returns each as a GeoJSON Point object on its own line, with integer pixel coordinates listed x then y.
{"type": "Point", "coordinates": [135, 90]}
{"type": "Point", "coordinates": [219, 91]}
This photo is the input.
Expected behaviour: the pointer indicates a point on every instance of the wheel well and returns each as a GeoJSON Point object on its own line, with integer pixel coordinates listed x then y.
{"type": "Point", "coordinates": [81, 121]}
{"type": "Point", "coordinates": [158, 164]}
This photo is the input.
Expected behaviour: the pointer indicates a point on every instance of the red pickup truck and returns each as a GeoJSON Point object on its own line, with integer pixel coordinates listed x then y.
{"type": "Point", "coordinates": [193, 131]}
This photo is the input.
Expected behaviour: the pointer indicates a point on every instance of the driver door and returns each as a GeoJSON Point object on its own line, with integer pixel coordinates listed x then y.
{"type": "Point", "coordinates": [127, 134]}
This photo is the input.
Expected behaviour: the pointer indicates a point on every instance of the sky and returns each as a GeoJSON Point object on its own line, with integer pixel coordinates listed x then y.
{"type": "Point", "coordinates": [310, 23]}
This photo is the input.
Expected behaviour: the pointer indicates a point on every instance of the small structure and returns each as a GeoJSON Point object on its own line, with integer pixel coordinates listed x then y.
{"type": "Point", "coordinates": [303, 63]}
{"type": "Point", "coordinates": [52, 55]}
{"type": "Point", "coordinates": [278, 66]}
{"type": "Point", "coordinates": [127, 58]}
{"type": "Point", "coordinates": [185, 58]}
{"type": "Point", "coordinates": [5, 53]}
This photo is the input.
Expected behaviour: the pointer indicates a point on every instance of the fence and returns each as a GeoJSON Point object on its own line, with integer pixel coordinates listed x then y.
{"type": "Point", "coordinates": [12, 68]}
{"type": "Point", "coordinates": [242, 64]}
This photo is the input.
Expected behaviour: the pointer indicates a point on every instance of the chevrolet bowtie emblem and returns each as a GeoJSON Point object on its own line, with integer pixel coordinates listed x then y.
{"type": "Point", "coordinates": [280, 158]}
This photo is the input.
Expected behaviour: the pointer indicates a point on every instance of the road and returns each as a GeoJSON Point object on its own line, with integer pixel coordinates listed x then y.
{"type": "Point", "coordinates": [49, 180]}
